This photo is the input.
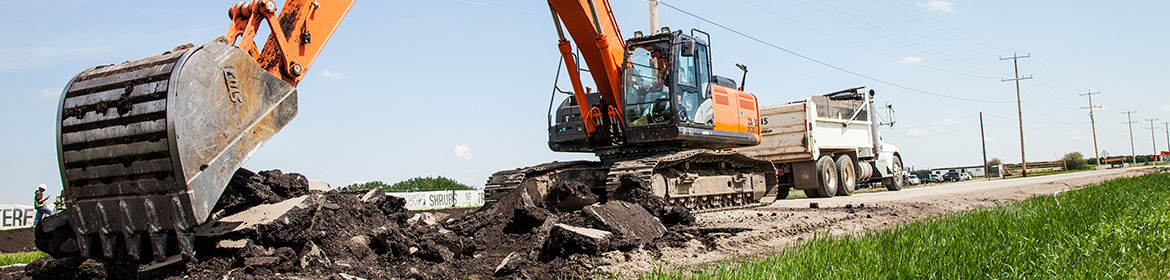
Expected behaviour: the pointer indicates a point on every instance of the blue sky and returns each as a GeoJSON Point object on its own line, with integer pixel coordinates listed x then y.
{"type": "Point", "coordinates": [461, 88]}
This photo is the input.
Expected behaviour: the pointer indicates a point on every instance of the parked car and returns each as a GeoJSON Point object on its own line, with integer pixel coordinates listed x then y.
{"type": "Point", "coordinates": [934, 178]}
{"type": "Point", "coordinates": [965, 176]}
{"type": "Point", "coordinates": [913, 179]}
{"type": "Point", "coordinates": [952, 176]}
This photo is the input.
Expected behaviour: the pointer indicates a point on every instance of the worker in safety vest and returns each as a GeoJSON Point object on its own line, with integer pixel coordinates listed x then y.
{"type": "Point", "coordinates": [39, 204]}
{"type": "Point", "coordinates": [59, 203]}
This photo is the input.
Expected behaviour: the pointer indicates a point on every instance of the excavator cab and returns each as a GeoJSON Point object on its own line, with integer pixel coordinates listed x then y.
{"type": "Point", "coordinates": [670, 98]}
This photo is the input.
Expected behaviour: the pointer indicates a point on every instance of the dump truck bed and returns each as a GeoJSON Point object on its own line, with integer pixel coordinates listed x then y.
{"type": "Point", "coordinates": [799, 131]}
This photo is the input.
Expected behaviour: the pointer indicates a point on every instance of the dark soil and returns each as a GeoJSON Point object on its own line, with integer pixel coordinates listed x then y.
{"type": "Point", "coordinates": [17, 240]}
{"type": "Point", "coordinates": [369, 235]}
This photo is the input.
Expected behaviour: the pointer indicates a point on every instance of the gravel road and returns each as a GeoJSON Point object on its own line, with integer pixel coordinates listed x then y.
{"type": "Point", "coordinates": [785, 222]}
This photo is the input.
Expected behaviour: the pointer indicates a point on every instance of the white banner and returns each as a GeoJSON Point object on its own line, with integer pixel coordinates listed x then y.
{"type": "Point", "coordinates": [441, 199]}
{"type": "Point", "coordinates": [16, 216]}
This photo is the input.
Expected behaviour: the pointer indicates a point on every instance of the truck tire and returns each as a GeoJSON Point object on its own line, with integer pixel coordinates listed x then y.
{"type": "Point", "coordinates": [826, 177]}
{"type": "Point", "coordinates": [782, 193]}
{"type": "Point", "coordinates": [846, 175]}
{"type": "Point", "coordinates": [894, 183]}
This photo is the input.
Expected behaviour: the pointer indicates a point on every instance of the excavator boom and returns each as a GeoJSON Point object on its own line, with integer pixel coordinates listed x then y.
{"type": "Point", "coordinates": [146, 147]}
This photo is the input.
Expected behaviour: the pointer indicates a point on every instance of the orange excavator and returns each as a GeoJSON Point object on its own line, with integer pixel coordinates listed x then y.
{"type": "Point", "coordinates": [658, 119]}
{"type": "Point", "coordinates": [146, 147]}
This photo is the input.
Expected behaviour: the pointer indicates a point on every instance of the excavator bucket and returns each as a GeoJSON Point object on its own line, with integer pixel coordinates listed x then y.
{"type": "Point", "coordinates": [147, 146]}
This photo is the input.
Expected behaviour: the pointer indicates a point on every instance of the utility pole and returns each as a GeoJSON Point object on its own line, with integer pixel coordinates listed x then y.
{"type": "Point", "coordinates": [653, 17]}
{"type": "Point", "coordinates": [1129, 116]}
{"type": "Point", "coordinates": [1167, 129]}
{"type": "Point", "coordinates": [1153, 142]}
{"type": "Point", "coordinates": [1019, 110]}
{"type": "Point", "coordinates": [983, 139]}
{"type": "Point", "coordinates": [1093, 123]}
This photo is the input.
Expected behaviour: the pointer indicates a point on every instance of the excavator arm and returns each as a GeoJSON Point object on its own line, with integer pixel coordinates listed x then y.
{"type": "Point", "coordinates": [305, 27]}
{"type": "Point", "coordinates": [146, 147]}
{"type": "Point", "coordinates": [593, 27]}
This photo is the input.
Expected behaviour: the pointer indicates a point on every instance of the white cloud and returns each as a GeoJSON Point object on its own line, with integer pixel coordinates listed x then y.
{"type": "Point", "coordinates": [918, 132]}
{"type": "Point", "coordinates": [988, 139]}
{"type": "Point", "coordinates": [49, 94]}
{"type": "Point", "coordinates": [939, 5]}
{"type": "Point", "coordinates": [463, 151]}
{"type": "Point", "coordinates": [1166, 108]}
{"type": "Point", "coordinates": [332, 75]}
{"type": "Point", "coordinates": [910, 59]}
{"type": "Point", "coordinates": [1074, 135]}
{"type": "Point", "coordinates": [946, 121]}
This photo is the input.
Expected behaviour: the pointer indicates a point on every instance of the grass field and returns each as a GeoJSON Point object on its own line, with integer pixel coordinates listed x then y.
{"type": "Point", "coordinates": [15, 258]}
{"type": "Point", "coordinates": [1118, 229]}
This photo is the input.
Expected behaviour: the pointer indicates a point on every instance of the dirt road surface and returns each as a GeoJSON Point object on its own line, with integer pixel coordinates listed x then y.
{"type": "Point", "coordinates": [766, 229]}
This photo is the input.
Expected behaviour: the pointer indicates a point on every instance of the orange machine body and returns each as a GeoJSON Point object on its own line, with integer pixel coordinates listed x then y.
{"type": "Point", "coordinates": [736, 111]}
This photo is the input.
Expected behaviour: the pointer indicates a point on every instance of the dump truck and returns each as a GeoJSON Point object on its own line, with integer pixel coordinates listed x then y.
{"type": "Point", "coordinates": [827, 145]}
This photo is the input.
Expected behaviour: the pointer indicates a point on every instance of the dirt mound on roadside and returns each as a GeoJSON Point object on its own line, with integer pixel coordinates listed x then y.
{"type": "Point", "coordinates": [270, 225]}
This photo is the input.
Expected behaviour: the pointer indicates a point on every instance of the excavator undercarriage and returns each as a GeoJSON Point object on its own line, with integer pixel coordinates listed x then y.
{"type": "Point", "coordinates": [701, 180]}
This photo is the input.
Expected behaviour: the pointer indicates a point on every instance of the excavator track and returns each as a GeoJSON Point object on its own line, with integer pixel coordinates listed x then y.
{"type": "Point", "coordinates": [147, 146]}
{"type": "Point", "coordinates": [503, 182]}
{"type": "Point", "coordinates": [701, 180]}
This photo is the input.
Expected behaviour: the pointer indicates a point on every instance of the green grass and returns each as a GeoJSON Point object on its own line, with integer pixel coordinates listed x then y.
{"type": "Point", "coordinates": [15, 258]}
{"type": "Point", "coordinates": [1118, 229]}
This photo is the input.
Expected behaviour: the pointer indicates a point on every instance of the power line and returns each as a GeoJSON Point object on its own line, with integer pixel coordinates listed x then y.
{"type": "Point", "coordinates": [851, 7]}
{"type": "Point", "coordinates": [935, 26]}
{"type": "Point", "coordinates": [991, 44]}
{"type": "Point", "coordinates": [902, 40]}
{"type": "Point", "coordinates": [1060, 78]}
{"type": "Point", "coordinates": [855, 44]}
{"type": "Point", "coordinates": [826, 64]}
{"type": "Point", "coordinates": [1046, 115]}
{"type": "Point", "coordinates": [1054, 93]}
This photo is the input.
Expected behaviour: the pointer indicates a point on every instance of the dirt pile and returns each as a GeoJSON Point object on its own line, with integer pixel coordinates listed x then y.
{"type": "Point", "coordinates": [17, 240]}
{"type": "Point", "coordinates": [271, 225]}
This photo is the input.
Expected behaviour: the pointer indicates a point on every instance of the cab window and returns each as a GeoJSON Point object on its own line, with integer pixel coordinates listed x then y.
{"type": "Point", "coordinates": [646, 93]}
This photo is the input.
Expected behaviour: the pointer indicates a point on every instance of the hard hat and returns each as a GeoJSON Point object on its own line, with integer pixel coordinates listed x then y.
{"type": "Point", "coordinates": [42, 186]}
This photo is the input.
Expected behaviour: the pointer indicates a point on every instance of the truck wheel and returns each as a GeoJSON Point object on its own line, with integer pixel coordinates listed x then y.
{"type": "Point", "coordinates": [783, 193]}
{"type": "Point", "coordinates": [827, 175]}
{"type": "Point", "coordinates": [894, 183]}
{"type": "Point", "coordinates": [846, 177]}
